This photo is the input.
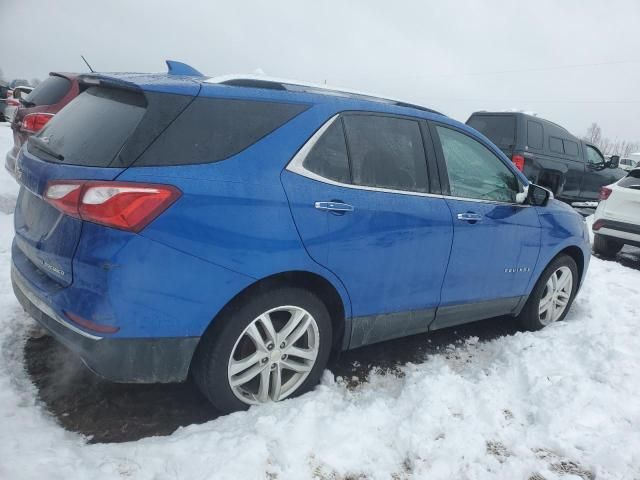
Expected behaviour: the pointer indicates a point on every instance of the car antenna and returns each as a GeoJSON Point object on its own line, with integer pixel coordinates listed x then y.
{"type": "Point", "coordinates": [85, 61]}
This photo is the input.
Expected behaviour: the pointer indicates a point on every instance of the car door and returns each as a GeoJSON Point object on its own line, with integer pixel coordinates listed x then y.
{"type": "Point", "coordinates": [496, 241]}
{"type": "Point", "coordinates": [597, 174]}
{"type": "Point", "coordinates": [360, 196]}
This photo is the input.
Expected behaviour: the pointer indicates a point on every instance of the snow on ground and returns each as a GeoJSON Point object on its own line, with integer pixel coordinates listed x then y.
{"type": "Point", "coordinates": [561, 403]}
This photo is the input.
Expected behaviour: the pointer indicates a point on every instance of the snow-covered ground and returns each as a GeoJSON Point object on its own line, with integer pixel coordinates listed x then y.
{"type": "Point", "coordinates": [560, 403]}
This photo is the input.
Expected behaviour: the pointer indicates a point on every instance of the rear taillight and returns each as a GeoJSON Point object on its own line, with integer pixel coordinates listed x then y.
{"type": "Point", "coordinates": [34, 122]}
{"type": "Point", "coordinates": [605, 192]}
{"type": "Point", "coordinates": [518, 161]}
{"type": "Point", "coordinates": [122, 205]}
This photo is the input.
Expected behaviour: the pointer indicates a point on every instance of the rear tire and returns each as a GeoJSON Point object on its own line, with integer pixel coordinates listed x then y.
{"type": "Point", "coordinates": [252, 356]}
{"type": "Point", "coordinates": [552, 295]}
{"type": "Point", "coordinates": [606, 247]}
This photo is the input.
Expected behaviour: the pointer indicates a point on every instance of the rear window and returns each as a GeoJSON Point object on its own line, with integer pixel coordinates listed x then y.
{"type": "Point", "coordinates": [500, 129]}
{"type": "Point", "coordinates": [92, 129]}
{"type": "Point", "coordinates": [631, 181]}
{"type": "Point", "coordinates": [213, 129]}
{"type": "Point", "coordinates": [49, 92]}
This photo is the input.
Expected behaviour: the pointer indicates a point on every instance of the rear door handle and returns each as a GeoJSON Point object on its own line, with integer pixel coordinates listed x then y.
{"type": "Point", "coordinates": [469, 217]}
{"type": "Point", "coordinates": [337, 207]}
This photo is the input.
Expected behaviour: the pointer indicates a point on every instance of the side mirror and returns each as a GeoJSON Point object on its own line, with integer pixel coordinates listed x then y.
{"type": "Point", "coordinates": [538, 196]}
{"type": "Point", "coordinates": [614, 161]}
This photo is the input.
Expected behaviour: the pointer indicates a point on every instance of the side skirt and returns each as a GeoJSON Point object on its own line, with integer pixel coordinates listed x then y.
{"type": "Point", "coordinates": [369, 329]}
{"type": "Point", "coordinates": [452, 315]}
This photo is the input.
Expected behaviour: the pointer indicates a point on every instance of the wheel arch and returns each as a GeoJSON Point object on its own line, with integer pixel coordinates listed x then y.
{"type": "Point", "coordinates": [313, 282]}
{"type": "Point", "coordinates": [578, 257]}
{"type": "Point", "coordinates": [572, 251]}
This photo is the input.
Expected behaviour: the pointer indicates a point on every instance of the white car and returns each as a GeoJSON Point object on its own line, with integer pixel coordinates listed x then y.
{"type": "Point", "coordinates": [13, 101]}
{"type": "Point", "coordinates": [617, 218]}
{"type": "Point", "coordinates": [628, 164]}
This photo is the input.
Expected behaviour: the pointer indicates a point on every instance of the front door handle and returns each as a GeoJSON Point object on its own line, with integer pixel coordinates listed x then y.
{"type": "Point", "coordinates": [469, 217]}
{"type": "Point", "coordinates": [337, 207]}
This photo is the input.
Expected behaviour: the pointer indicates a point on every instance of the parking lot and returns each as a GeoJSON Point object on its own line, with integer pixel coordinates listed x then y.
{"type": "Point", "coordinates": [109, 412]}
{"type": "Point", "coordinates": [495, 398]}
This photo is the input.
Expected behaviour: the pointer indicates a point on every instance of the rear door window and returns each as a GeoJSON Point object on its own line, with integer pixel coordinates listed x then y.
{"type": "Point", "coordinates": [386, 152]}
{"type": "Point", "coordinates": [534, 134]}
{"type": "Point", "coordinates": [92, 129]}
{"type": "Point", "coordinates": [500, 129]}
{"type": "Point", "coordinates": [49, 92]}
{"type": "Point", "coordinates": [555, 145]}
{"type": "Point", "coordinates": [328, 157]}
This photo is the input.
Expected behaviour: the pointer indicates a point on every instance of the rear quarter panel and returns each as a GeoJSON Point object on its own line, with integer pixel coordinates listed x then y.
{"type": "Point", "coordinates": [235, 213]}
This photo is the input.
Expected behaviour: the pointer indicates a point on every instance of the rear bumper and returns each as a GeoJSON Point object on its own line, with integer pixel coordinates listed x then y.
{"type": "Point", "coordinates": [10, 162]}
{"type": "Point", "coordinates": [628, 233]}
{"type": "Point", "coordinates": [126, 360]}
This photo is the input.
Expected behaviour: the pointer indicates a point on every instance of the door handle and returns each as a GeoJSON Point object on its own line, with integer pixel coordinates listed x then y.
{"type": "Point", "coordinates": [337, 207]}
{"type": "Point", "coordinates": [469, 217]}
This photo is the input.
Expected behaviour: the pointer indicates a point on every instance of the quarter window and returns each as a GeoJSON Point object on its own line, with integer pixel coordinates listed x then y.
{"type": "Point", "coordinates": [570, 148]}
{"type": "Point", "coordinates": [474, 171]}
{"type": "Point", "coordinates": [386, 152]}
{"type": "Point", "coordinates": [328, 157]}
{"type": "Point", "coordinates": [555, 145]}
{"type": "Point", "coordinates": [534, 134]}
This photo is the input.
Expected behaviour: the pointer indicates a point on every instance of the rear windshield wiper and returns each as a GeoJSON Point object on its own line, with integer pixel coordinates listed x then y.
{"type": "Point", "coordinates": [44, 146]}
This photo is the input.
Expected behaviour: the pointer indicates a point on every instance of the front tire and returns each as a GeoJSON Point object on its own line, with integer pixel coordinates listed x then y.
{"type": "Point", "coordinates": [606, 247]}
{"type": "Point", "coordinates": [552, 295]}
{"type": "Point", "coordinates": [270, 346]}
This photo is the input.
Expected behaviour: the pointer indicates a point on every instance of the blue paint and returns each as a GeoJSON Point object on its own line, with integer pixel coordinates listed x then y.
{"type": "Point", "coordinates": [247, 218]}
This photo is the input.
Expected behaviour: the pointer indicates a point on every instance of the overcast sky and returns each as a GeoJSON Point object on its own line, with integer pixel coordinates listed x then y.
{"type": "Point", "coordinates": [573, 62]}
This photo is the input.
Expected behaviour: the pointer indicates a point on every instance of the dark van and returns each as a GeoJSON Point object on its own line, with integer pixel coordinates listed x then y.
{"type": "Point", "coordinates": [549, 155]}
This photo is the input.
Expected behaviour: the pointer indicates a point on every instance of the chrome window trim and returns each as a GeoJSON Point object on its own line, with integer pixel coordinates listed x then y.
{"type": "Point", "coordinates": [296, 166]}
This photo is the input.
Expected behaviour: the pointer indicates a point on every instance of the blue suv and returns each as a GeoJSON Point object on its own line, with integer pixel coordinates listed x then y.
{"type": "Point", "coordinates": [240, 229]}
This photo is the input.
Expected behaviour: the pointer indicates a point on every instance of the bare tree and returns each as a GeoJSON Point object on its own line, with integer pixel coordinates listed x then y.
{"type": "Point", "coordinates": [608, 146]}
{"type": "Point", "coordinates": [594, 134]}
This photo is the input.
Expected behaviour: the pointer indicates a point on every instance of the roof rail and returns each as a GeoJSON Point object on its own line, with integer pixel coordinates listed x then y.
{"type": "Point", "coordinates": [179, 68]}
{"type": "Point", "coordinates": [273, 83]}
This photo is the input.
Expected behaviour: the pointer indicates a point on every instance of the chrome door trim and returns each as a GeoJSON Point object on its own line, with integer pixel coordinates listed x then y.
{"type": "Point", "coordinates": [296, 166]}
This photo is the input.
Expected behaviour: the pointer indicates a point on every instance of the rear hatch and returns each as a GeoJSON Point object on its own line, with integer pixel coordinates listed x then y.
{"type": "Point", "coordinates": [95, 137]}
{"type": "Point", "coordinates": [500, 128]}
{"type": "Point", "coordinates": [624, 203]}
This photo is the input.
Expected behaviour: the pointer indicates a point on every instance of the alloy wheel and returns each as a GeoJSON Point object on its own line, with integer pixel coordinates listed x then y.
{"type": "Point", "coordinates": [556, 295]}
{"type": "Point", "coordinates": [273, 355]}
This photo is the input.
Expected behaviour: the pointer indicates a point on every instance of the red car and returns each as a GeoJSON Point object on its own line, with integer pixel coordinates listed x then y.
{"type": "Point", "coordinates": [47, 99]}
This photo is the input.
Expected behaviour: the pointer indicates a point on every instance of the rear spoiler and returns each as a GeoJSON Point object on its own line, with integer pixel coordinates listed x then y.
{"type": "Point", "coordinates": [178, 74]}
